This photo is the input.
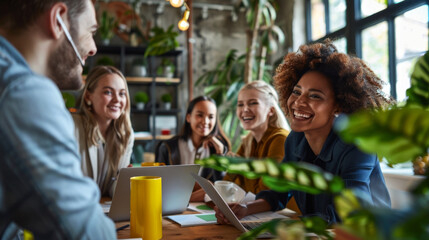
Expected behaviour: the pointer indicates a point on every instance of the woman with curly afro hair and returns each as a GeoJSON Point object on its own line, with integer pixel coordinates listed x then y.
{"type": "Point", "coordinates": [316, 84]}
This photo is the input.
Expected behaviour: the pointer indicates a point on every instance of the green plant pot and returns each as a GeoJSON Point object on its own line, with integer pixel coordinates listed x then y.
{"type": "Point", "coordinates": [167, 105]}
{"type": "Point", "coordinates": [105, 42]}
{"type": "Point", "coordinates": [140, 105]}
{"type": "Point", "coordinates": [139, 71]}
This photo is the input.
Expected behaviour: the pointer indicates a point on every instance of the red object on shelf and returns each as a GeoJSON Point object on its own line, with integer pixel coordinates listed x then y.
{"type": "Point", "coordinates": [165, 132]}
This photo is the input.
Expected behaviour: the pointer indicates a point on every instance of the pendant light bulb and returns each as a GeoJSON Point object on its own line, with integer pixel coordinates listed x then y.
{"type": "Point", "coordinates": [177, 3]}
{"type": "Point", "coordinates": [183, 25]}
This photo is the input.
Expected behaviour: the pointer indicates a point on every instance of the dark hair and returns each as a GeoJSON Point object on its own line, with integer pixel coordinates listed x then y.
{"type": "Point", "coordinates": [16, 15]}
{"type": "Point", "coordinates": [355, 85]}
{"type": "Point", "coordinates": [186, 131]}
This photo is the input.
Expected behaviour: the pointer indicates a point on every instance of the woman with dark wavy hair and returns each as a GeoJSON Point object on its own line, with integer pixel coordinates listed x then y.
{"type": "Point", "coordinates": [316, 84]}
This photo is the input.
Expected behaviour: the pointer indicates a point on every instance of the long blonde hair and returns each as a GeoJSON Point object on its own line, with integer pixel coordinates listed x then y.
{"type": "Point", "coordinates": [119, 131]}
{"type": "Point", "coordinates": [270, 97]}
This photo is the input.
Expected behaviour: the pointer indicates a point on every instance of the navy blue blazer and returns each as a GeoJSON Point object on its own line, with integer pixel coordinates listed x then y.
{"type": "Point", "coordinates": [360, 171]}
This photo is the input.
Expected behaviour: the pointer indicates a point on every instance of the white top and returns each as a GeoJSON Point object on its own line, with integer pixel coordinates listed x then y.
{"type": "Point", "coordinates": [94, 164]}
{"type": "Point", "coordinates": [188, 153]}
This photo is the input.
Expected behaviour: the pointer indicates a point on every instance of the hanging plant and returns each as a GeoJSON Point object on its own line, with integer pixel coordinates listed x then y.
{"type": "Point", "coordinates": [161, 41]}
{"type": "Point", "coordinates": [107, 24]}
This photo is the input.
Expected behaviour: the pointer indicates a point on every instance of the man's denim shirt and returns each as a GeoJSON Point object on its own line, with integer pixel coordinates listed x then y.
{"type": "Point", "coordinates": [42, 188]}
{"type": "Point", "coordinates": [360, 171]}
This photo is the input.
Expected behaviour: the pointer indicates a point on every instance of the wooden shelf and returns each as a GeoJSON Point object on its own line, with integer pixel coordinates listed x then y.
{"type": "Point", "coordinates": [151, 83]}
{"type": "Point", "coordinates": [159, 137]}
{"type": "Point", "coordinates": [149, 79]}
{"type": "Point", "coordinates": [158, 111]}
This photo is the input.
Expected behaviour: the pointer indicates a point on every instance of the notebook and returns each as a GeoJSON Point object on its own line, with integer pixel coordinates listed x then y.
{"type": "Point", "coordinates": [177, 185]}
{"type": "Point", "coordinates": [229, 214]}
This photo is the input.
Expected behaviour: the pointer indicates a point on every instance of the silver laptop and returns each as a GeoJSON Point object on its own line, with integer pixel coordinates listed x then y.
{"type": "Point", "coordinates": [177, 185]}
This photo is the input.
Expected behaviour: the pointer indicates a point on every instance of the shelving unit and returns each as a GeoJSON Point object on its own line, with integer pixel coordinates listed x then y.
{"type": "Point", "coordinates": [149, 80]}
{"type": "Point", "coordinates": [152, 84]}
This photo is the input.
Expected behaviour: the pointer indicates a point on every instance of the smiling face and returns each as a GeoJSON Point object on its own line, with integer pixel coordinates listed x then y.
{"type": "Point", "coordinates": [202, 119]}
{"type": "Point", "coordinates": [312, 104]}
{"type": "Point", "coordinates": [64, 66]}
{"type": "Point", "coordinates": [109, 98]}
{"type": "Point", "coordinates": [253, 110]}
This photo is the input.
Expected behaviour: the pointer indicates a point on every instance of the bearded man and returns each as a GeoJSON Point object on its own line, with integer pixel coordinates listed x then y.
{"type": "Point", "coordinates": [43, 47]}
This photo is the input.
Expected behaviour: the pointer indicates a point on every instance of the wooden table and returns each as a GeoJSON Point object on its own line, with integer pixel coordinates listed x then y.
{"type": "Point", "coordinates": [172, 230]}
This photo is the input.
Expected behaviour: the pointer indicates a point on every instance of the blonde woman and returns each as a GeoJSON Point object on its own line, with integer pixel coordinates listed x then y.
{"type": "Point", "coordinates": [103, 127]}
{"type": "Point", "coordinates": [260, 114]}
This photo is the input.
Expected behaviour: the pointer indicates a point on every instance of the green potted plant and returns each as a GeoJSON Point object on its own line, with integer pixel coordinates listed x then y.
{"type": "Point", "coordinates": [166, 68]}
{"type": "Point", "coordinates": [141, 98]}
{"type": "Point", "coordinates": [161, 41]}
{"type": "Point", "coordinates": [107, 23]}
{"type": "Point", "coordinates": [138, 67]}
{"type": "Point", "coordinates": [105, 61]}
{"type": "Point", "coordinates": [166, 100]}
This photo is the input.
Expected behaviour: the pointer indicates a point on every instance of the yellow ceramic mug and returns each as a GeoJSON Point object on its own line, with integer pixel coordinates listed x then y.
{"type": "Point", "coordinates": [146, 207]}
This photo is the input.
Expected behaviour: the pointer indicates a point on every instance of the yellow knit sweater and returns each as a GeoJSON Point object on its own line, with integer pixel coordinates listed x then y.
{"type": "Point", "coordinates": [270, 146]}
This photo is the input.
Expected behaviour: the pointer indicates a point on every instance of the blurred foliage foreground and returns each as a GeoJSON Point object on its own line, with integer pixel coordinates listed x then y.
{"type": "Point", "coordinates": [398, 134]}
{"type": "Point", "coordinates": [359, 217]}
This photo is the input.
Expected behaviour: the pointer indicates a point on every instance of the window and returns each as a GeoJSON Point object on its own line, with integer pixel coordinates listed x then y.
{"type": "Point", "coordinates": [387, 34]}
{"type": "Point", "coordinates": [318, 27]}
{"type": "Point", "coordinates": [375, 51]}
{"type": "Point", "coordinates": [341, 44]}
{"type": "Point", "coordinates": [411, 37]}
{"type": "Point", "coordinates": [337, 14]}
{"type": "Point", "coordinates": [369, 7]}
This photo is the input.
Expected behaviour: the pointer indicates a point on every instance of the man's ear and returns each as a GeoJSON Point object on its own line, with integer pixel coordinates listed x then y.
{"type": "Point", "coordinates": [55, 28]}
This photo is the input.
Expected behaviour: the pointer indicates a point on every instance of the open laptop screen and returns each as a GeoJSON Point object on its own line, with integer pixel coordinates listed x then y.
{"type": "Point", "coordinates": [177, 185]}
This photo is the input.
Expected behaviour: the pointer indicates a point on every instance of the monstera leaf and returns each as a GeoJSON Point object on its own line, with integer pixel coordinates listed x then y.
{"type": "Point", "coordinates": [398, 134]}
{"type": "Point", "coordinates": [282, 177]}
{"type": "Point", "coordinates": [418, 93]}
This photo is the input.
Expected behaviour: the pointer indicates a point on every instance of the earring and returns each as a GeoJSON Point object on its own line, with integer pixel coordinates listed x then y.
{"type": "Point", "coordinates": [336, 114]}
{"type": "Point", "coordinates": [89, 103]}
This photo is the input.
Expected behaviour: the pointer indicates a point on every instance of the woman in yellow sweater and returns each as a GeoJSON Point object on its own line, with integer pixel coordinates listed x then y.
{"type": "Point", "coordinates": [260, 114]}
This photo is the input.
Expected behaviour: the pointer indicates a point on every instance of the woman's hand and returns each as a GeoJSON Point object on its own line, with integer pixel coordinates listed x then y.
{"type": "Point", "coordinates": [197, 196]}
{"type": "Point", "coordinates": [216, 143]}
{"type": "Point", "coordinates": [240, 210]}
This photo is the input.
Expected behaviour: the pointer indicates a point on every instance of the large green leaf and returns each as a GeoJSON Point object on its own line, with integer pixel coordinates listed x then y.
{"type": "Point", "coordinates": [398, 134]}
{"type": "Point", "coordinates": [418, 93]}
{"type": "Point", "coordinates": [161, 41]}
{"type": "Point", "coordinates": [282, 177]}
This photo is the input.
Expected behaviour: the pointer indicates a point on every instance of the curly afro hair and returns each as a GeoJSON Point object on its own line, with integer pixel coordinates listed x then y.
{"type": "Point", "coordinates": [355, 85]}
